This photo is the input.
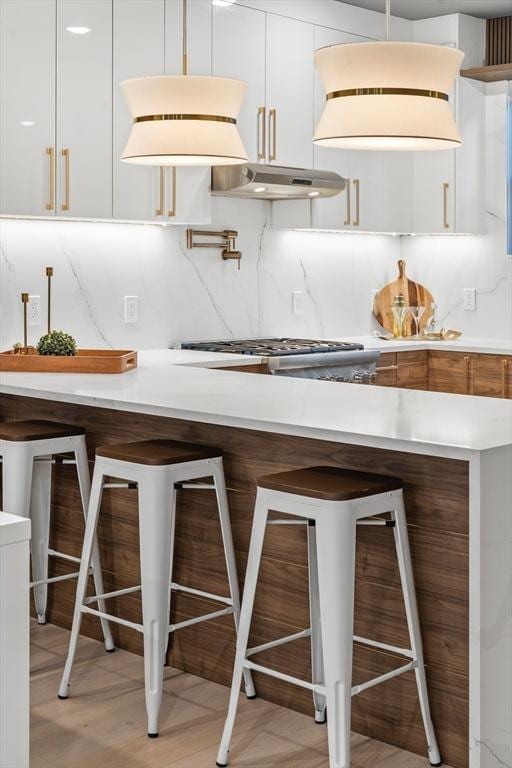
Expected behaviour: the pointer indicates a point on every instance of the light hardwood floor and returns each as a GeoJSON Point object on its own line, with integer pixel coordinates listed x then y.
{"type": "Point", "coordinates": [103, 722]}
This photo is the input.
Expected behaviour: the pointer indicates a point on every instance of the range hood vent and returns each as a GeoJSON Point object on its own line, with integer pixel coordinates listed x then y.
{"type": "Point", "coordinates": [272, 182]}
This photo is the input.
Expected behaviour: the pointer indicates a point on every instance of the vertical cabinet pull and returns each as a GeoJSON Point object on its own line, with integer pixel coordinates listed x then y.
{"type": "Point", "coordinates": [172, 211]}
{"type": "Point", "coordinates": [348, 215]}
{"type": "Point", "coordinates": [160, 210]}
{"type": "Point", "coordinates": [356, 184]}
{"type": "Point", "coordinates": [468, 383]}
{"type": "Point", "coordinates": [446, 187]}
{"type": "Point", "coordinates": [272, 132]}
{"type": "Point", "coordinates": [50, 205]}
{"type": "Point", "coordinates": [504, 378]}
{"type": "Point", "coordinates": [261, 129]}
{"type": "Point", "coordinates": [65, 154]}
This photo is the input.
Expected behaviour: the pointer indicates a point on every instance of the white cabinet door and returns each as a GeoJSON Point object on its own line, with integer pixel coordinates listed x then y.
{"type": "Point", "coordinates": [84, 108]}
{"type": "Point", "coordinates": [27, 89]}
{"type": "Point", "coordinates": [186, 190]}
{"type": "Point", "coordinates": [331, 212]}
{"type": "Point", "coordinates": [290, 99]}
{"type": "Point", "coordinates": [138, 50]}
{"type": "Point", "coordinates": [239, 51]}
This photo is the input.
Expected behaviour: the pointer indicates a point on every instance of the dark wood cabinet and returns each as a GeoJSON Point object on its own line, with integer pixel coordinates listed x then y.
{"type": "Point", "coordinates": [470, 374]}
{"type": "Point", "coordinates": [450, 372]}
{"type": "Point", "coordinates": [412, 371]}
{"type": "Point", "coordinates": [492, 375]}
{"type": "Point", "coordinates": [387, 370]}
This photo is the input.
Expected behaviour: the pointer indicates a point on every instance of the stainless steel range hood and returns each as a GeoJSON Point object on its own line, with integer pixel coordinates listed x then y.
{"type": "Point", "coordinates": [272, 182]}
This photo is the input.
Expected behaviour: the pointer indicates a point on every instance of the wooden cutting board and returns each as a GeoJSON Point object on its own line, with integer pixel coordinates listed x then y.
{"type": "Point", "coordinates": [415, 295]}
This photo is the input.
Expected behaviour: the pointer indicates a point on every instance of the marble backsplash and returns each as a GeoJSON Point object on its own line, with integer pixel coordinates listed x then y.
{"type": "Point", "coordinates": [194, 294]}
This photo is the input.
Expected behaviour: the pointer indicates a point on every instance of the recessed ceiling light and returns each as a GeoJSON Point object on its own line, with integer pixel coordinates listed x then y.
{"type": "Point", "coordinates": [27, 123]}
{"type": "Point", "coordinates": [260, 189]}
{"type": "Point", "coordinates": [223, 3]}
{"type": "Point", "coordinates": [313, 194]}
{"type": "Point", "coordinates": [78, 30]}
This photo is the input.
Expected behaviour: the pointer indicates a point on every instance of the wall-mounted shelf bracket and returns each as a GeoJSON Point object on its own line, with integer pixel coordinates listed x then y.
{"type": "Point", "coordinates": [228, 237]}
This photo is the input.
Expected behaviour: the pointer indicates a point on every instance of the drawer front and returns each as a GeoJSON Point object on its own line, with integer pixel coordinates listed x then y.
{"type": "Point", "coordinates": [408, 358]}
{"type": "Point", "coordinates": [413, 375]}
{"type": "Point", "coordinates": [387, 370]}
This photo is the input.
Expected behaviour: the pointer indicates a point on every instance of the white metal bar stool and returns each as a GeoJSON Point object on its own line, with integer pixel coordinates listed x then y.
{"type": "Point", "coordinates": [157, 468]}
{"type": "Point", "coordinates": [28, 449]}
{"type": "Point", "coordinates": [332, 501]}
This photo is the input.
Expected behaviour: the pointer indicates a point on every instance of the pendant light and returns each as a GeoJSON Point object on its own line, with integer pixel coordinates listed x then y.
{"type": "Point", "coordinates": [184, 119]}
{"type": "Point", "coordinates": [387, 95]}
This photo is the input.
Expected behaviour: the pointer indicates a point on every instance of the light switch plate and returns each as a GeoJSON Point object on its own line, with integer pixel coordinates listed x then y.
{"type": "Point", "coordinates": [298, 302]}
{"type": "Point", "coordinates": [131, 309]}
{"type": "Point", "coordinates": [34, 310]}
{"type": "Point", "coordinates": [469, 300]}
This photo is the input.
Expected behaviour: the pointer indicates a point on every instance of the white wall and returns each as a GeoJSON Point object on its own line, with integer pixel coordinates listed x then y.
{"type": "Point", "coordinates": [194, 294]}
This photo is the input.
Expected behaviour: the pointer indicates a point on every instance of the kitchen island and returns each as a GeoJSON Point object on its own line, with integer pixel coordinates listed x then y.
{"type": "Point", "coordinates": [454, 454]}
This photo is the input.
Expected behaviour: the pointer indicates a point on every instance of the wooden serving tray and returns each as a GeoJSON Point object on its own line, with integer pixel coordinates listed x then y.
{"type": "Point", "coordinates": [85, 361]}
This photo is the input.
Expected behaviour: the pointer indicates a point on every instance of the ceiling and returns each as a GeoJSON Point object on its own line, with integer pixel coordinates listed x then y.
{"type": "Point", "coordinates": [424, 9]}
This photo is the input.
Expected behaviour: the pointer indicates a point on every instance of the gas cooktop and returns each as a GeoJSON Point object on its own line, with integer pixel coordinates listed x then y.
{"type": "Point", "coordinates": [272, 347]}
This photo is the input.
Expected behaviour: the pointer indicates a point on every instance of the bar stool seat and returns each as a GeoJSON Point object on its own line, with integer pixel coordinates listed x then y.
{"type": "Point", "coordinates": [332, 502]}
{"type": "Point", "coordinates": [157, 468]}
{"type": "Point", "coordinates": [28, 450]}
{"type": "Point", "coordinates": [158, 453]}
{"type": "Point", "coordinates": [329, 483]}
{"type": "Point", "coordinates": [23, 431]}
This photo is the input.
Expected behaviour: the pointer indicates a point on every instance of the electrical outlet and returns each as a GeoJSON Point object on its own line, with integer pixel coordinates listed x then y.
{"type": "Point", "coordinates": [298, 302]}
{"type": "Point", "coordinates": [131, 309]}
{"type": "Point", "coordinates": [34, 310]}
{"type": "Point", "coordinates": [469, 300]}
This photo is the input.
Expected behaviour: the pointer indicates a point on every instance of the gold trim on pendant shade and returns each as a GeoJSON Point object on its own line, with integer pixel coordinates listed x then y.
{"type": "Point", "coordinates": [387, 92]}
{"type": "Point", "coordinates": [181, 116]}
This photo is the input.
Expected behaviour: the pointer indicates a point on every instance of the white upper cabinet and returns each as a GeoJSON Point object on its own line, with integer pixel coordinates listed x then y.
{"type": "Point", "coordinates": [27, 114]}
{"type": "Point", "coordinates": [289, 89]}
{"type": "Point", "coordinates": [138, 42]}
{"type": "Point", "coordinates": [239, 51]}
{"type": "Point", "coordinates": [84, 108]}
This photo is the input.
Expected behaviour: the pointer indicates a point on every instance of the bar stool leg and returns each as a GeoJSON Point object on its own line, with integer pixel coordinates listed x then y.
{"type": "Point", "coordinates": [413, 623]}
{"type": "Point", "coordinates": [84, 482]}
{"type": "Point", "coordinates": [229, 553]}
{"type": "Point", "coordinates": [336, 571]}
{"type": "Point", "coordinates": [83, 578]}
{"type": "Point", "coordinates": [317, 662]}
{"type": "Point", "coordinates": [155, 561]}
{"type": "Point", "coordinates": [40, 501]}
{"type": "Point", "coordinates": [251, 578]}
{"type": "Point", "coordinates": [174, 500]}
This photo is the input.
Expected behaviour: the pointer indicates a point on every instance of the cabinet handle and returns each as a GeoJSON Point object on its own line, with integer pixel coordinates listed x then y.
{"type": "Point", "coordinates": [160, 210]}
{"type": "Point", "coordinates": [386, 368]}
{"type": "Point", "coordinates": [272, 131]}
{"type": "Point", "coordinates": [348, 213]}
{"type": "Point", "coordinates": [50, 205]}
{"type": "Point", "coordinates": [356, 184]}
{"type": "Point", "coordinates": [446, 187]}
{"type": "Point", "coordinates": [504, 378]}
{"type": "Point", "coordinates": [467, 362]}
{"type": "Point", "coordinates": [172, 211]}
{"type": "Point", "coordinates": [65, 154]}
{"type": "Point", "coordinates": [261, 129]}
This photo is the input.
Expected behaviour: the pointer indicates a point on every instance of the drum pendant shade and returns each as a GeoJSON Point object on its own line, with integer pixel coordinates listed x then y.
{"type": "Point", "coordinates": [388, 96]}
{"type": "Point", "coordinates": [184, 120]}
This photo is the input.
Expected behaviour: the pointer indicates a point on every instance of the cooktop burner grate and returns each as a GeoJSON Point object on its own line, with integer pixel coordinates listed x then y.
{"type": "Point", "coordinates": [272, 347]}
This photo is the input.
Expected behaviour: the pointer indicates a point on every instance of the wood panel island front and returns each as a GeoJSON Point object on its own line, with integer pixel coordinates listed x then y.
{"type": "Point", "coordinates": [454, 455]}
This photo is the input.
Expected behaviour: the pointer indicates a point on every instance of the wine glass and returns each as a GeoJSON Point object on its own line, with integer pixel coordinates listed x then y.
{"type": "Point", "coordinates": [417, 314]}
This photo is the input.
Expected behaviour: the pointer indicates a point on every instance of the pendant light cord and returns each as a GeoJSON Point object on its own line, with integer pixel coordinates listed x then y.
{"type": "Point", "coordinates": [388, 19]}
{"type": "Point", "coordinates": [185, 60]}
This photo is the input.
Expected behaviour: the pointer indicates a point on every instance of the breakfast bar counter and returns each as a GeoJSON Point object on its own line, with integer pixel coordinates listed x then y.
{"type": "Point", "coordinates": [454, 455]}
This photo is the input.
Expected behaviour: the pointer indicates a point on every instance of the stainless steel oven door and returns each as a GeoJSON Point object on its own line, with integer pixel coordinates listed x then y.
{"type": "Point", "coordinates": [356, 367]}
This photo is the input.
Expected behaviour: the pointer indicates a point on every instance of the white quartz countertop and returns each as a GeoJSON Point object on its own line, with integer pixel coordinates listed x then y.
{"type": "Point", "coordinates": [176, 384]}
{"type": "Point", "coordinates": [480, 346]}
{"type": "Point", "coordinates": [13, 529]}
